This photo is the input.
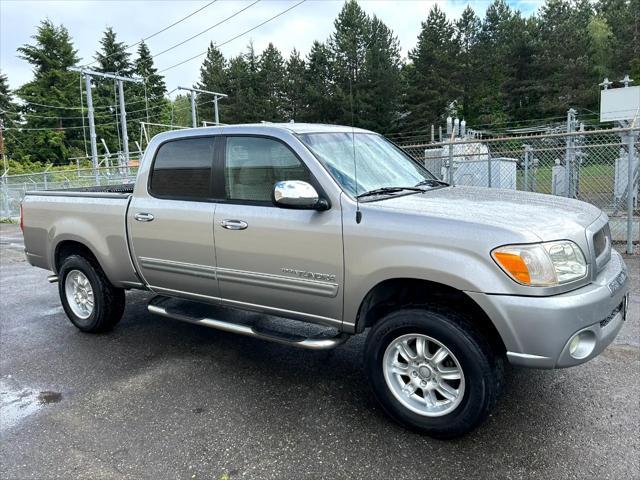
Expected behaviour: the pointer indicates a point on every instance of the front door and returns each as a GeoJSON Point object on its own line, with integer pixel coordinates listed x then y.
{"type": "Point", "coordinates": [171, 221]}
{"type": "Point", "coordinates": [281, 261]}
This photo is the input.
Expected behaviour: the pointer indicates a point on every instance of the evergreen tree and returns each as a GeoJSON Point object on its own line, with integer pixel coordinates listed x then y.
{"type": "Point", "coordinates": [271, 85]}
{"type": "Point", "coordinates": [348, 46]}
{"type": "Point", "coordinates": [381, 79]}
{"type": "Point", "coordinates": [9, 116]}
{"type": "Point", "coordinates": [214, 78]}
{"type": "Point", "coordinates": [623, 20]}
{"type": "Point", "coordinates": [295, 88]}
{"type": "Point", "coordinates": [469, 57]}
{"type": "Point", "coordinates": [53, 84]}
{"type": "Point", "coordinates": [565, 73]}
{"type": "Point", "coordinates": [145, 100]}
{"type": "Point", "coordinates": [114, 58]}
{"type": "Point", "coordinates": [431, 91]}
{"type": "Point", "coordinates": [320, 91]}
{"type": "Point", "coordinates": [495, 44]}
{"type": "Point", "coordinates": [244, 103]}
{"type": "Point", "coordinates": [6, 100]}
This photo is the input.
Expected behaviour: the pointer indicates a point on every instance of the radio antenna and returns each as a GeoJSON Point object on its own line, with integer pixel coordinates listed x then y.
{"type": "Point", "coordinates": [353, 144]}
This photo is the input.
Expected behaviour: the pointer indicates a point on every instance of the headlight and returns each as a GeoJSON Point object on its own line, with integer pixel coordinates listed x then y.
{"type": "Point", "coordinates": [542, 264]}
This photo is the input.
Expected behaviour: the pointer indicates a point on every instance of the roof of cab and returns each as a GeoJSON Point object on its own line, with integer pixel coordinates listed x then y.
{"type": "Point", "coordinates": [256, 128]}
{"type": "Point", "coordinates": [303, 127]}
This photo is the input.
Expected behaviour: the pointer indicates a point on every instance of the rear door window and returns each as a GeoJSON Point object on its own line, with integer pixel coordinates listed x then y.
{"type": "Point", "coordinates": [182, 169]}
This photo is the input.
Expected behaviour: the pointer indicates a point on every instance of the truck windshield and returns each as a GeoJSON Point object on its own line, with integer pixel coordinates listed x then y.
{"type": "Point", "coordinates": [380, 167]}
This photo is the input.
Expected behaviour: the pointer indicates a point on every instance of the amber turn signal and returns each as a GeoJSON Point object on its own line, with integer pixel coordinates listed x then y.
{"type": "Point", "coordinates": [513, 264]}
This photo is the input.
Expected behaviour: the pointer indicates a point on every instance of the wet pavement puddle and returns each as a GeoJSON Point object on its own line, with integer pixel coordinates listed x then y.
{"type": "Point", "coordinates": [18, 403]}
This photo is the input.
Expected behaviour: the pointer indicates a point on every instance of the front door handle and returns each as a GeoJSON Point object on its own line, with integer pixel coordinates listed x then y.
{"type": "Point", "coordinates": [234, 224]}
{"type": "Point", "coordinates": [143, 217]}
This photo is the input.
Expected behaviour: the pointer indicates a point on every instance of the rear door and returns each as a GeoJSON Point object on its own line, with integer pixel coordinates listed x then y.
{"type": "Point", "coordinates": [171, 220]}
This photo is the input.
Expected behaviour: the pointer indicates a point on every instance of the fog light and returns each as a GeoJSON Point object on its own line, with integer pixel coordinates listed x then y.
{"type": "Point", "coordinates": [575, 343]}
{"type": "Point", "coordinates": [582, 344]}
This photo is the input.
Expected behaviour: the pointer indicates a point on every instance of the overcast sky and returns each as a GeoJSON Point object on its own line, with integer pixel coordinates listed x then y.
{"type": "Point", "coordinates": [133, 20]}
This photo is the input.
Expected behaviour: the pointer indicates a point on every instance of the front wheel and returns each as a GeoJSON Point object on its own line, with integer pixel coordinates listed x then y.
{"type": "Point", "coordinates": [432, 370]}
{"type": "Point", "coordinates": [90, 301]}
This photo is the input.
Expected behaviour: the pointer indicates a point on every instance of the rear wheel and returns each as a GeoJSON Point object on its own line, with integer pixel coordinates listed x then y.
{"type": "Point", "coordinates": [90, 301]}
{"type": "Point", "coordinates": [432, 370]}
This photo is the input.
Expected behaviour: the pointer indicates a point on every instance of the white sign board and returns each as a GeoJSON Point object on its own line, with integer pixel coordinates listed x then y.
{"type": "Point", "coordinates": [620, 104]}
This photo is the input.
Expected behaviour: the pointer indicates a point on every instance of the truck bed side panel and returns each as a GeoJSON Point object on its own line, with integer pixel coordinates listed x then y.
{"type": "Point", "coordinates": [96, 221]}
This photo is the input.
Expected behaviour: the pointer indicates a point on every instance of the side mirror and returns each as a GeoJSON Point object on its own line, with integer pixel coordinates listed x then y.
{"type": "Point", "coordinates": [298, 194]}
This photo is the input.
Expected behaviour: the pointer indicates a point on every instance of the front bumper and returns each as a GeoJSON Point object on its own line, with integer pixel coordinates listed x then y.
{"type": "Point", "coordinates": [537, 330]}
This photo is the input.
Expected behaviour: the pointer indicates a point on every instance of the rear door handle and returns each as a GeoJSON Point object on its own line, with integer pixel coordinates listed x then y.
{"type": "Point", "coordinates": [234, 224]}
{"type": "Point", "coordinates": [143, 217]}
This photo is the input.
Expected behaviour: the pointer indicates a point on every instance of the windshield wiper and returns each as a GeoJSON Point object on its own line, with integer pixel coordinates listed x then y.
{"type": "Point", "coordinates": [388, 190]}
{"type": "Point", "coordinates": [432, 182]}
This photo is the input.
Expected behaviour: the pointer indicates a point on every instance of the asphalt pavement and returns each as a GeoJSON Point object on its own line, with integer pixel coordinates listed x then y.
{"type": "Point", "coordinates": [160, 399]}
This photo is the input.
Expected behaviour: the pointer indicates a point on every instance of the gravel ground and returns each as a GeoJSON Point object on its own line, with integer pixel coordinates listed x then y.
{"type": "Point", "coordinates": [161, 399]}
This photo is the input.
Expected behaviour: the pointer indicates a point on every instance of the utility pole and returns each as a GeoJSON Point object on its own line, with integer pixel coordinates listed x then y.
{"type": "Point", "coordinates": [216, 97]}
{"type": "Point", "coordinates": [194, 120]}
{"type": "Point", "coordinates": [88, 75]}
{"type": "Point", "coordinates": [570, 154]}
{"type": "Point", "coordinates": [4, 190]}
{"type": "Point", "coordinates": [4, 158]}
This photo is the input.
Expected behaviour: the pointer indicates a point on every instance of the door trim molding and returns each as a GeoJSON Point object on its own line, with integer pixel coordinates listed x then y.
{"type": "Point", "coordinates": [280, 282]}
{"type": "Point", "coordinates": [182, 268]}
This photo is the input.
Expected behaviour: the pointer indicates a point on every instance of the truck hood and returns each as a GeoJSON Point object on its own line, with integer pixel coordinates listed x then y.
{"type": "Point", "coordinates": [546, 216]}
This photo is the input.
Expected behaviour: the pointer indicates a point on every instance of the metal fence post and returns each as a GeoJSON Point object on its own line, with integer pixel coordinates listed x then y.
{"type": "Point", "coordinates": [630, 189]}
{"type": "Point", "coordinates": [527, 152]}
{"type": "Point", "coordinates": [450, 166]}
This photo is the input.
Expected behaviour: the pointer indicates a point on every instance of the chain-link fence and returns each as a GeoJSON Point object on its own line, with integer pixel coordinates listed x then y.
{"type": "Point", "coordinates": [13, 187]}
{"type": "Point", "coordinates": [592, 166]}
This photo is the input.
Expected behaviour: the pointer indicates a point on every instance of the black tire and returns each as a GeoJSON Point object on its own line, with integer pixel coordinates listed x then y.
{"type": "Point", "coordinates": [481, 366]}
{"type": "Point", "coordinates": [108, 300]}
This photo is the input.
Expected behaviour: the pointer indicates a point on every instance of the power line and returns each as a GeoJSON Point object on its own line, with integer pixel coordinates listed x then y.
{"type": "Point", "coordinates": [159, 31]}
{"type": "Point", "coordinates": [80, 108]}
{"type": "Point", "coordinates": [132, 120]}
{"type": "Point", "coordinates": [206, 29]}
{"type": "Point", "coordinates": [234, 38]}
{"type": "Point", "coordinates": [35, 129]}
{"type": "Point", "coordinates": [34, 115]}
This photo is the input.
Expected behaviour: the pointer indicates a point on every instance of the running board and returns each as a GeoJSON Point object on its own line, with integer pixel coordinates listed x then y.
{"type": "Point", "coordinates": [158, 306]}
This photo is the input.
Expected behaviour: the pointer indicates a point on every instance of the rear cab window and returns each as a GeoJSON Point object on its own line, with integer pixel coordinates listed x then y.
{"type": "Point", "coordinates": [182, 169]}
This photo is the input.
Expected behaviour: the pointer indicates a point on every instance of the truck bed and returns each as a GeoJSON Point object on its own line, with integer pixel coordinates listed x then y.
{"type": "Point", "coordinates": [93, 216]}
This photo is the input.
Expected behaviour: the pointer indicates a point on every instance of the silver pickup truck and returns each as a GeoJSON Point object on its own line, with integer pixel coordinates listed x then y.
{"type": "Point", "coordinates": [338, 227]}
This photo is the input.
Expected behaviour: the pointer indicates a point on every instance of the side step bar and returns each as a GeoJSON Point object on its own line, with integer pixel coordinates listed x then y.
{"type": "Point", "coordinates": [156, 307]}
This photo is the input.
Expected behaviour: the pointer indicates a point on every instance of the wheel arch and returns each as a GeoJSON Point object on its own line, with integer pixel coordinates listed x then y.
{"type": "Point", "coordinates": [395, 293]}
{"type": "Point", "coordinates": [68, 247]}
